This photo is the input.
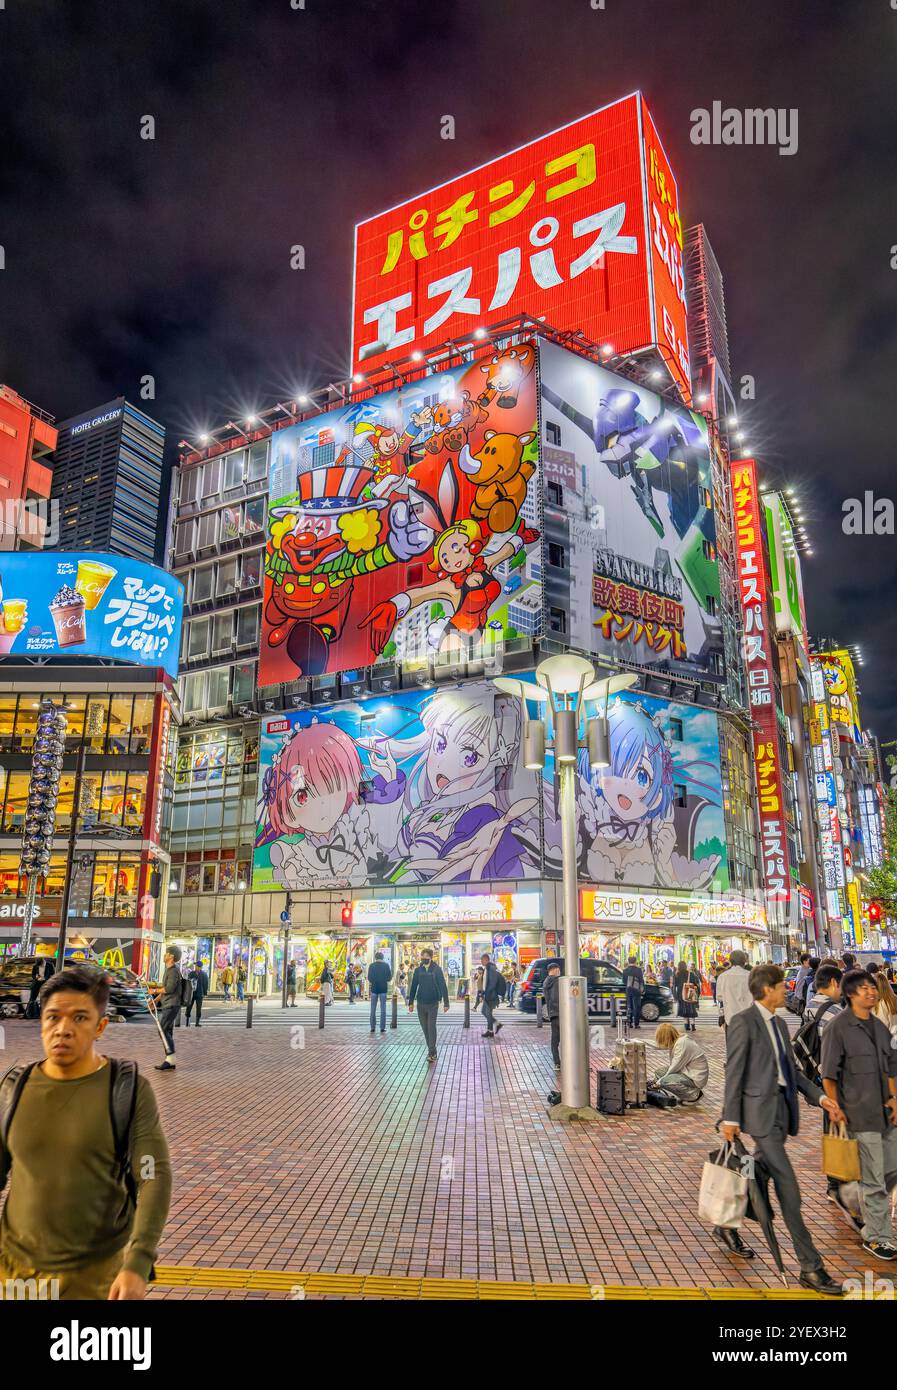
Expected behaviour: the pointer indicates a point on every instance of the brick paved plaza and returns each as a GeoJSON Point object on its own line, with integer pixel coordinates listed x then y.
{"type": "Point", "coordinates": [339, 1153]}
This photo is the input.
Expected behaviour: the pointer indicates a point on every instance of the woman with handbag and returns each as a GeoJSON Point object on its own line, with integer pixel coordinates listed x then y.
{"type": "Point", "coordinates": [688, 992]}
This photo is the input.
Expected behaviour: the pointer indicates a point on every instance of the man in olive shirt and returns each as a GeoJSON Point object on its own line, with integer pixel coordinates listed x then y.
{"type": "Point", "coordinates": [859, 1073]}
{"type": "Point", "coordinates": [168, 1002]}
{"type": "Point", "coordinates": [68, 1216]}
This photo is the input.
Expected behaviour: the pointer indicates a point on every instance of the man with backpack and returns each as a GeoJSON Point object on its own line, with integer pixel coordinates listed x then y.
{"type": "Point", "coordinates": [553, 1009]}
{"type": "Point", "coordinates": [87, 1227]}
{"type": "Point", "coordinates": [634, 980]}
{"type": "Point", "coordinates": [494, 986]}
{"type": "Point", "coordinates": [824, 1006]}
{"type": "Point", "coordinates": [169, 997]}
{"type": "Point", "coordinates": [199, 982]}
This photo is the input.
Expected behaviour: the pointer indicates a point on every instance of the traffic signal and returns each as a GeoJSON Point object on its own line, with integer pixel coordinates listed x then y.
{"type": "Point", "coordinates": [874, 914]}
{"type": "Point", "coordinates": [347, 914]}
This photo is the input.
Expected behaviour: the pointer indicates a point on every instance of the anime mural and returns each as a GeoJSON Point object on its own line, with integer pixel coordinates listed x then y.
{"type": "Point", "coordinates": [429, 787]}
{"type": "Point", "coordinates": [406, 524]}
{"type": "Point", "coordinates": [425, 786]}
{"type": "Point", "coordinates": [653, 818]}
{"type": "Point", "coordinates": [638, 527]}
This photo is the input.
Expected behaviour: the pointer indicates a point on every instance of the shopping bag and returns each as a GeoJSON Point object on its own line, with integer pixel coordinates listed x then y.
{"type": "Point", "coordinates": [722, 1200]}
{"type": "Point", "coordinates": [840, 1155]}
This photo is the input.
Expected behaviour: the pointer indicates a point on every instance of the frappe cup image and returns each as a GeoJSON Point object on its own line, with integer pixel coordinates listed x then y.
{"type": "Point", "coordinates": [67, 612]}
{"type": "Point", "coordinates": [93, 580]}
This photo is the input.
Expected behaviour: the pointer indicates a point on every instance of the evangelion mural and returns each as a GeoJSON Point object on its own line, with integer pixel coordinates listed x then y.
{"type": "Point", "coordinates": [405, 524]}
{"type": "Point", "coordinates": [429, 787]}
{"type": "Point", "coordinates": [639, 530]}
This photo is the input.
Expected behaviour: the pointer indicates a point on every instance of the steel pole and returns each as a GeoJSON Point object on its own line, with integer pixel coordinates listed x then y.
{"type": "Point", "coordinates": [572, 994]}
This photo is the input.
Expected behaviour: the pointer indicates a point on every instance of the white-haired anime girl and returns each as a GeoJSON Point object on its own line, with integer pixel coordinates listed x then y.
{"type": "Point", "coordinates": [460, 823]}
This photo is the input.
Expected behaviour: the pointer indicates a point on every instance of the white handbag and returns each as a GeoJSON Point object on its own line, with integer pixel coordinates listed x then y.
{"type": "Point", "coordinates": [723, 1197]}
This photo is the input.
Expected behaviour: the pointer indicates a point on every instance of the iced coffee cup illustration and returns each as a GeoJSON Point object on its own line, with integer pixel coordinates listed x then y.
{"type": "Point", "coordinates": [93, 580]}
{"type": "Point", "coordinates": [67, 612]}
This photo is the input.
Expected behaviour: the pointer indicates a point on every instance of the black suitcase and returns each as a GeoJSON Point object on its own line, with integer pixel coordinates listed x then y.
{"type": "Point", "coordinates": [610, 1093]}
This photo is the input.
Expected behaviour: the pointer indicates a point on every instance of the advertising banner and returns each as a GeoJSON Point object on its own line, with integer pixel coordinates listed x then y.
{"type": "Point", "coordinates": [73, 604]}
{"type": "Point", "coordinates": [757, 655]}
{"type": "Point", "coordinates": [653, 818]}
{"type": "Point", "coordinates": [422, 787]}
{"type": "Point", "coordinates": [406, 525]}
{"type": "Point", "coordinates": [580, 227]}
{"type": "Point", "coordinates": [428, 787]}
{"type": "Point", "coordinates": [785, 574]}
{"type": "Point", "coordinates": [841, 691]}
{"type": "Point", "coordinates": [641, 535]}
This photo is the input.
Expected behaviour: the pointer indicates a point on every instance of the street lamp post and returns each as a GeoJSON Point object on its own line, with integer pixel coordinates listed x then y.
{"type": "Point", "coordinates": [564, 684]}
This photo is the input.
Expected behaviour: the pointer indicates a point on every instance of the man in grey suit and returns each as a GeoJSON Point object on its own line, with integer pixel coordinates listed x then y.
{"type": "Point", "coordinates": [762, 1082]}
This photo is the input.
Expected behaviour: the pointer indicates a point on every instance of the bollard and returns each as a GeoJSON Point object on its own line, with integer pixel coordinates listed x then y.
{"type": "Point", "coordinates": [249, 1004]}
{"type": "Point", "coordinates": [540, 1011]}
{"type": "Point", "coordinates": [321, 1007]}
{"type": "Point", "coordinates": [394, 1021]}
{"type": "Point", "coordinates": [467, 1011]}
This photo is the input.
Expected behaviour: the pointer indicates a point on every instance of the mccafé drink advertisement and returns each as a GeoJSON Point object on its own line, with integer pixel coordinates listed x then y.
{"type": "Point", "coordinates": [74, 604]}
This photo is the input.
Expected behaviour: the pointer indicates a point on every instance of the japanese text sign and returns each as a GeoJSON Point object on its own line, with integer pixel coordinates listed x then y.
{"type": "Point", "coordinates": [757, 655]}
{"type": "Point", "coordinates": [580, 227]}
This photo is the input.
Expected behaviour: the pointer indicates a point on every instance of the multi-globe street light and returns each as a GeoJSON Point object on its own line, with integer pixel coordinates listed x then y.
{"type": "Point", "coordinates": [564, 684]}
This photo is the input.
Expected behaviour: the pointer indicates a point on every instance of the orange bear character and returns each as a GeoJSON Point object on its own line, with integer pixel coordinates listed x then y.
{"type": "Point", "coordinates": [505, 375]}
{"type": "Point", "coordinates": [501, 474]}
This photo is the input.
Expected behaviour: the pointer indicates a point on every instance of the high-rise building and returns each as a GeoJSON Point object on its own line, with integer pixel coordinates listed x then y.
{"type": "Point", "coordinates": [27, 438]}
{"type": "Point", "coordinates": [708, 337]}
{"type": "Point", "coordinates": [107, 481]}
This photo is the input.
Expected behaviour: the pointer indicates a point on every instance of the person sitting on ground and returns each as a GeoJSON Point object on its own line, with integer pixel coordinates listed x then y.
{"type": "Point", "coordinates": [688, 1068]}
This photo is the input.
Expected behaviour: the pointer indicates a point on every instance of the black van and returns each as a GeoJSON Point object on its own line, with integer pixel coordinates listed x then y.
{"type": "Point", "coordinates": [604, 982]}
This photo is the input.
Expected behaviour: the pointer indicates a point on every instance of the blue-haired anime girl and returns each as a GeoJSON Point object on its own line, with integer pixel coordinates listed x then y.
{"type": "Point", "coordinates": [627, 809]}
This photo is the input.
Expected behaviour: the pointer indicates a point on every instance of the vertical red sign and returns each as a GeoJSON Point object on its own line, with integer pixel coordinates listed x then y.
{"type": "Point", "coordinates": [758, 665]}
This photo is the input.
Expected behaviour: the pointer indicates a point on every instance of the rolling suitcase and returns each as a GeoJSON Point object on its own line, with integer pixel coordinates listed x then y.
{"type": "Point", "coordinates": [610, 1097]}
{"type": "Point", "coordinates": [635, 1073]}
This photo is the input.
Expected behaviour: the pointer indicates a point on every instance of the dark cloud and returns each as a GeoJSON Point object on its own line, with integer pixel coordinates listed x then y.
{"type": "Point", "coordinates": [277, 126]}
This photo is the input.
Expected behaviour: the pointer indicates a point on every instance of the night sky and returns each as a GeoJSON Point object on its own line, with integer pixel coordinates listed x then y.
{"type": "Point", "coordinates": [277, 126]}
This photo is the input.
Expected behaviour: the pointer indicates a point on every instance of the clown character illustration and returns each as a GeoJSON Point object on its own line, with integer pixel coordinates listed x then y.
{"type": "Point", "coordinates": [323, 539]}
{"type": "Point", "coordinates": [390, 450]}
{"type": "Point", "coordinates": [628, 828]}
{"type": "Point", "coordinates": [461, 822]}
{"type": "Point", "coordinates": [464, 562]}
{"type": "Point", "coordinates": [321, 825]}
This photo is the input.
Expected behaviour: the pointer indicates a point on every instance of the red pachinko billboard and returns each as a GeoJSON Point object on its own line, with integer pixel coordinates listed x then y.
{"type": "Point", "coordinates": [754, 597]}
{"type": "Point", "coordinates": [580, 228]}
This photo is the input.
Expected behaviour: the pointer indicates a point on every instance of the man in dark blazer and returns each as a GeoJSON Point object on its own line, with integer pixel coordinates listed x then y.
{"type": "Point", "coordinates": [762, 1082]}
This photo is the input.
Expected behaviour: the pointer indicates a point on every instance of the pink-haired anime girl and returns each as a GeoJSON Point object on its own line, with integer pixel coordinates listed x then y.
{"type": "Point", "coordinates": [314, 816]}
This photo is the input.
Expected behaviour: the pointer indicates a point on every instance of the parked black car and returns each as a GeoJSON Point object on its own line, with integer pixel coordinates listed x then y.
{"type": "Point", "coordinates": [127, 996]}
{"type": "Point", "coordinates": [604, 981]}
